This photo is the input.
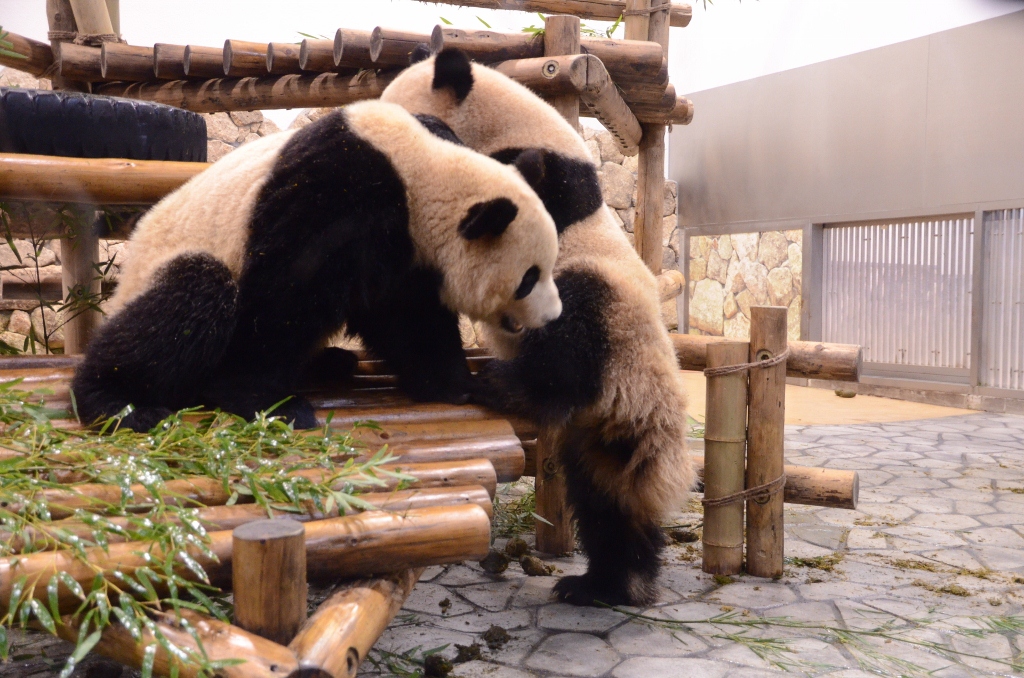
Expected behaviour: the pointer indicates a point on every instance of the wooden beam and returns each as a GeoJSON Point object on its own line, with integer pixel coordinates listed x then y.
{"type": "Point", "coordinates": [389, 47]}
{"type": "Point", "coordinates": [203, 62]}
{"type": "Point", "coordinates": [268, 577]}
{"type": "Point", "coordinates": [811, 486]}
{"type": "Point", "coordinates": [603, 10]}
{"type": "Point", "coordinates": [244, 59]}
{"type": "Point", "coordinates": [119, 61]}
{"type": "Point", "coordinates": [807, 359]}
{"type": "Point", "coordinates": [317, 56]}
{"type": "Point", "coordinates": [250, 94]}
{"type": "Point", "coordinates": [562, 38]}
{"type": "Point", "coordinates": [38, 55]}
{"type": "Point", "coordinates": [283, 58]}
{"type": "Point", "coordinates": [352, 48]}
{"type": "Point", "coordinates": [78, 62]}
{"type": "Point", "coordinates": [168, 61]}
{"type": "Point", "coordinates": [81, 282]}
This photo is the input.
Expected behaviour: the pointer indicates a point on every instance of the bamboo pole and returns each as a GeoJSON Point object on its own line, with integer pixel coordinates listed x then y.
{"type": "Point", "coordinates": [336, 548]}
{"type": "Point", "coordinates": [203, 62]}
{"type": "Point", "coordinates": [268, 576]}
{"type": "Point", "coordinates": [91, 180]}
{"type": "Point", "coordinates": [283, 58]}
{"type": "Point", "coordinates": [340, 634]}
{"type": "Point", "coordinates": [810, 486]}
{"type": "Point", "coordinates": [242, 59]}
{"type": "Point", "coordinates": [81, 281]}
{"type": "Point", "coordinates": [389, 47]}
{"type": "Point", "coordinates": [562, 37]}
{"type": "Point", "coordinates": [61, 20]}
{"type": "Point", "coordinates": [114, 12]}
{"type": "Point", "coordinates": [38, 55]}
{"type": "Point", "coordinates": [807, 359]}
{"type": "Point", "coordinates": [216, 518]}
{"type": "Point", "coordinates": [317, 55]}
{"type": "Point", "coordinates": [202, 491]}
{"type": "Point", "coordinates": [168, 61]}
{"type": "Point", "coordinates": [603, 10]}
{"type": "Point", "coordinates": [765, 434]}
{"type": "Point", "coordinates": [725, 437]}
{"type": "Point", "coordinates": [91, 17]}
{"type": "Point", "coordinates": [250, 94]}
{"type": "Point", "coordinates": [219, 641]}
{"type": "Point", "coordinates": [119, 61]}
{"type": "Point", "coordinates": [556, 534]}
{"type": "Point", "coordinates": [352, 48]}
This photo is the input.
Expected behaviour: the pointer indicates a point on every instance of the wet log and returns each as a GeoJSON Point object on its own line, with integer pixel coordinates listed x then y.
{"type": "Point", "coordinates": [168, 61]}
{"type": "Point", "coordinates": [219, 641]}
{"type": "Point", "coordinates": [336, 548]}
{"type": "Point", "coordinates": [624, 59]}
{"type": "Point", "coordinates": [243, 59]}
{"type": "Point", "coordinates": [807, 359]}
{"type": "Point", "coordinates": [283, 58]}
{"type": "Point", "coordinates": [352, 48]}
{"type": "Point", "coordinates": [250, 94]}
{"type": "Point", "coordinates": [333, 642]}
{"type": "Point", "coordinates": [389, 47]}
{"type": "Point", "coordinates": [126, 62]}
{"type": "Point", "coordinates": [38, 56]}
{"type": "Point", "coordinates": [203, 62]}
{"type": "Point", "coordinates": [809, 486]}
{"type": "Point", "coordinates": [602, 10]}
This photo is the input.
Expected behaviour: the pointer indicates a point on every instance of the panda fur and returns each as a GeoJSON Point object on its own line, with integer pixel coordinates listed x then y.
{"type": "Point", "coordinates": [604, 375]}
{"type": "Point", "coordinates": [368, 218]}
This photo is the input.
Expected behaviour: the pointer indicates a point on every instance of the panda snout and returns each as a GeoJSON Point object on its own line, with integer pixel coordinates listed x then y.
{"type": "Point", "coordinates": [510, 325]}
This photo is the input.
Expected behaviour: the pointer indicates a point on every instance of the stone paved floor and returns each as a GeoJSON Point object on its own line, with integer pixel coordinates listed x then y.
{"type": "Point", "coordinates": [935, 554]}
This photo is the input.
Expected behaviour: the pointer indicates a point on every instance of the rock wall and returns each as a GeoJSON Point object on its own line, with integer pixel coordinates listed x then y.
{"type": "Point", "coordinates": [730, 273]}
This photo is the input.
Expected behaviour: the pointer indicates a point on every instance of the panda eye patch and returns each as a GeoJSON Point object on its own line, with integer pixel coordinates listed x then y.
{"type": "Point", "coordinates": [530, 279]}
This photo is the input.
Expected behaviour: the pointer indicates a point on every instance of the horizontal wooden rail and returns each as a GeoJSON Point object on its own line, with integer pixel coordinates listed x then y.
{"type": "Point", "coordinates": [603, 10]}
{"type": "Point", "coordinates": [91, 180]}
{"type": "Point", "coordinates": [812, 486]}
{"type": "Point", "coordinates": [807, 359]}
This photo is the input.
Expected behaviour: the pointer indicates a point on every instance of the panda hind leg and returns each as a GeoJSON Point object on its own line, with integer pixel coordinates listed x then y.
{"type": "Point", "coordinates": [153, 353]}
{"type": "Point", "coordinates": [330, 366]}
{"type": "Point", "coordinates": [623, 550]}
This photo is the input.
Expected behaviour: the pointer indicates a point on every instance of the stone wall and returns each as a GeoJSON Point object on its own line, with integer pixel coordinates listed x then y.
{"type": "Point", "coordinates": [730, 273]}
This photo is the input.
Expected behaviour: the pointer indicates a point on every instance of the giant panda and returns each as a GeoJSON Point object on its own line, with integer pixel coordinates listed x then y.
{"type": "Point", "coordinates": [368, 217]}
{"type": "Point", "coordinates": [603, 375]}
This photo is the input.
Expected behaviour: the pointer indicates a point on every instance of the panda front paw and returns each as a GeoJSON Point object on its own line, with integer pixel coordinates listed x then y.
{"type": "Point", "coordinates": [144, 419]}
{"type": "Point", "coordinates": [298, 412]}
{"type": "Point", "coordinates": [332, 366]}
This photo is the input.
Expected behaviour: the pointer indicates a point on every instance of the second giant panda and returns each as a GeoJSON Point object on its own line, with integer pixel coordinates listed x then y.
{"type": "Point", "coordinates": [369, 218]}
{"type": "Point", "coordinates": [604, 374]}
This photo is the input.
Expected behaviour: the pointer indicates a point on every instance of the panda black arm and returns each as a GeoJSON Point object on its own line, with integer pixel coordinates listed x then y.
{"type": "Point", "coordinates": [560, 367]}
{"type": "Point", "coordinates": [419, 338]}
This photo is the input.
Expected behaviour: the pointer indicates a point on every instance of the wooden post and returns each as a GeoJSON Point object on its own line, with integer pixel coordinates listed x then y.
{"type": "Point", "coordinates": [556, 537]}
{"type": "Point", "coordinates": [562, 36]}
{"type": "Point", "coordinates": [268, 575]}
{"type": "Point", "coordinates": [79, 257]}
{"type": "Point", "coordinates": [765, 431]}
{"type": "Point", "coordinates": [62, 20]}
{"type": "Point", "coordinates": [725, 440]}
{"type": "Point", "coordinates": [650, 188]}
{"type": "Point", "coordinates": [91, 17]}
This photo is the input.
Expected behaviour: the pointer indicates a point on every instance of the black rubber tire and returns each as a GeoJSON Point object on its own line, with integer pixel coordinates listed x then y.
{"type": "Point", "coordinates": [77, 125]}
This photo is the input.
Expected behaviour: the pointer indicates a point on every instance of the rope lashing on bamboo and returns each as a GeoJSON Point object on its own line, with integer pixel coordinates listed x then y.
{"type": "Point", "coordinates": [94, 39]}
{"type": "Point", "coordinates": [761, 493]}
{"type": "Point", "coordinates": [646, 11]}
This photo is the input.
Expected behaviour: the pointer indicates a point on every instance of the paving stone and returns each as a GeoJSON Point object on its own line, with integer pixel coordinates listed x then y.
{"type": "Point", "coordinates": [478, 622]}
{"type": "Point", "coordinates": [565, 617]}
{"type": "Point", "coordinates": [972, 508]}
{"type": "Point", "coordinates": [865, 539]}
{"type": "Point", "coordinates": [403, 638]}
{"type": "Point", "coordinates": [835, 590]}
{"type": "Point", "coordinates": [925, 535]}
{"type": "Point", "coordinates": [427, 598]}
{"type": "Point", "coordinates": [800, 549]}
{"type": "Point", "coordinates": [651, 641]}
{"type": "Point", "coordinates": [649, 667]}
{"type": "Point", "coordinates": [736, 653]}
{"type": "Point", "coordinates": [996, 536]}
{"type": "Point", "coordinates": [944, 521]}
{"type": "Point", "coordinates": [515, 651]}
{"type": "Point", "coordinates": [574, 654]}
{"type": "Point", "coordinates": [462, 575]}
{"type": "Point", "coordinates": [431, 572]}
{"type": "Point", "coordinates": [534, 591]}
{"type": "Point", "coordinates": [757, 673]}
{"type": "Point", "coordinates": [482, 669]}
{"type": "Point", "coordinates": [958, 558]}
{"type": "Point", "coordinates": [493, 597]}
{"type": "Point", "coordinates": [1000, 559]}
{"type": "Point", "coordinates": [815, 655]}
{"type": "Point", "coordinates": [754, 596]}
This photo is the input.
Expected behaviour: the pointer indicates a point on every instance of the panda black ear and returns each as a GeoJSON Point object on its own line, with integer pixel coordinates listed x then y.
{"type": "Point", "coordinates": [489, 218]}
{"type": "Point", "coordinates": [420, 52]}
{"type": "Point", "coordinates": [530, 164]}
{"type": "Point", "coordinates": [452, 70]}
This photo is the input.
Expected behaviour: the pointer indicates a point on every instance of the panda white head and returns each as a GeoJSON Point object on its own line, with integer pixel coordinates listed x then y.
{"type": "Point", "coordinates": [489, 111]}
{"type": "Point", "coordinates": [471, 218]}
